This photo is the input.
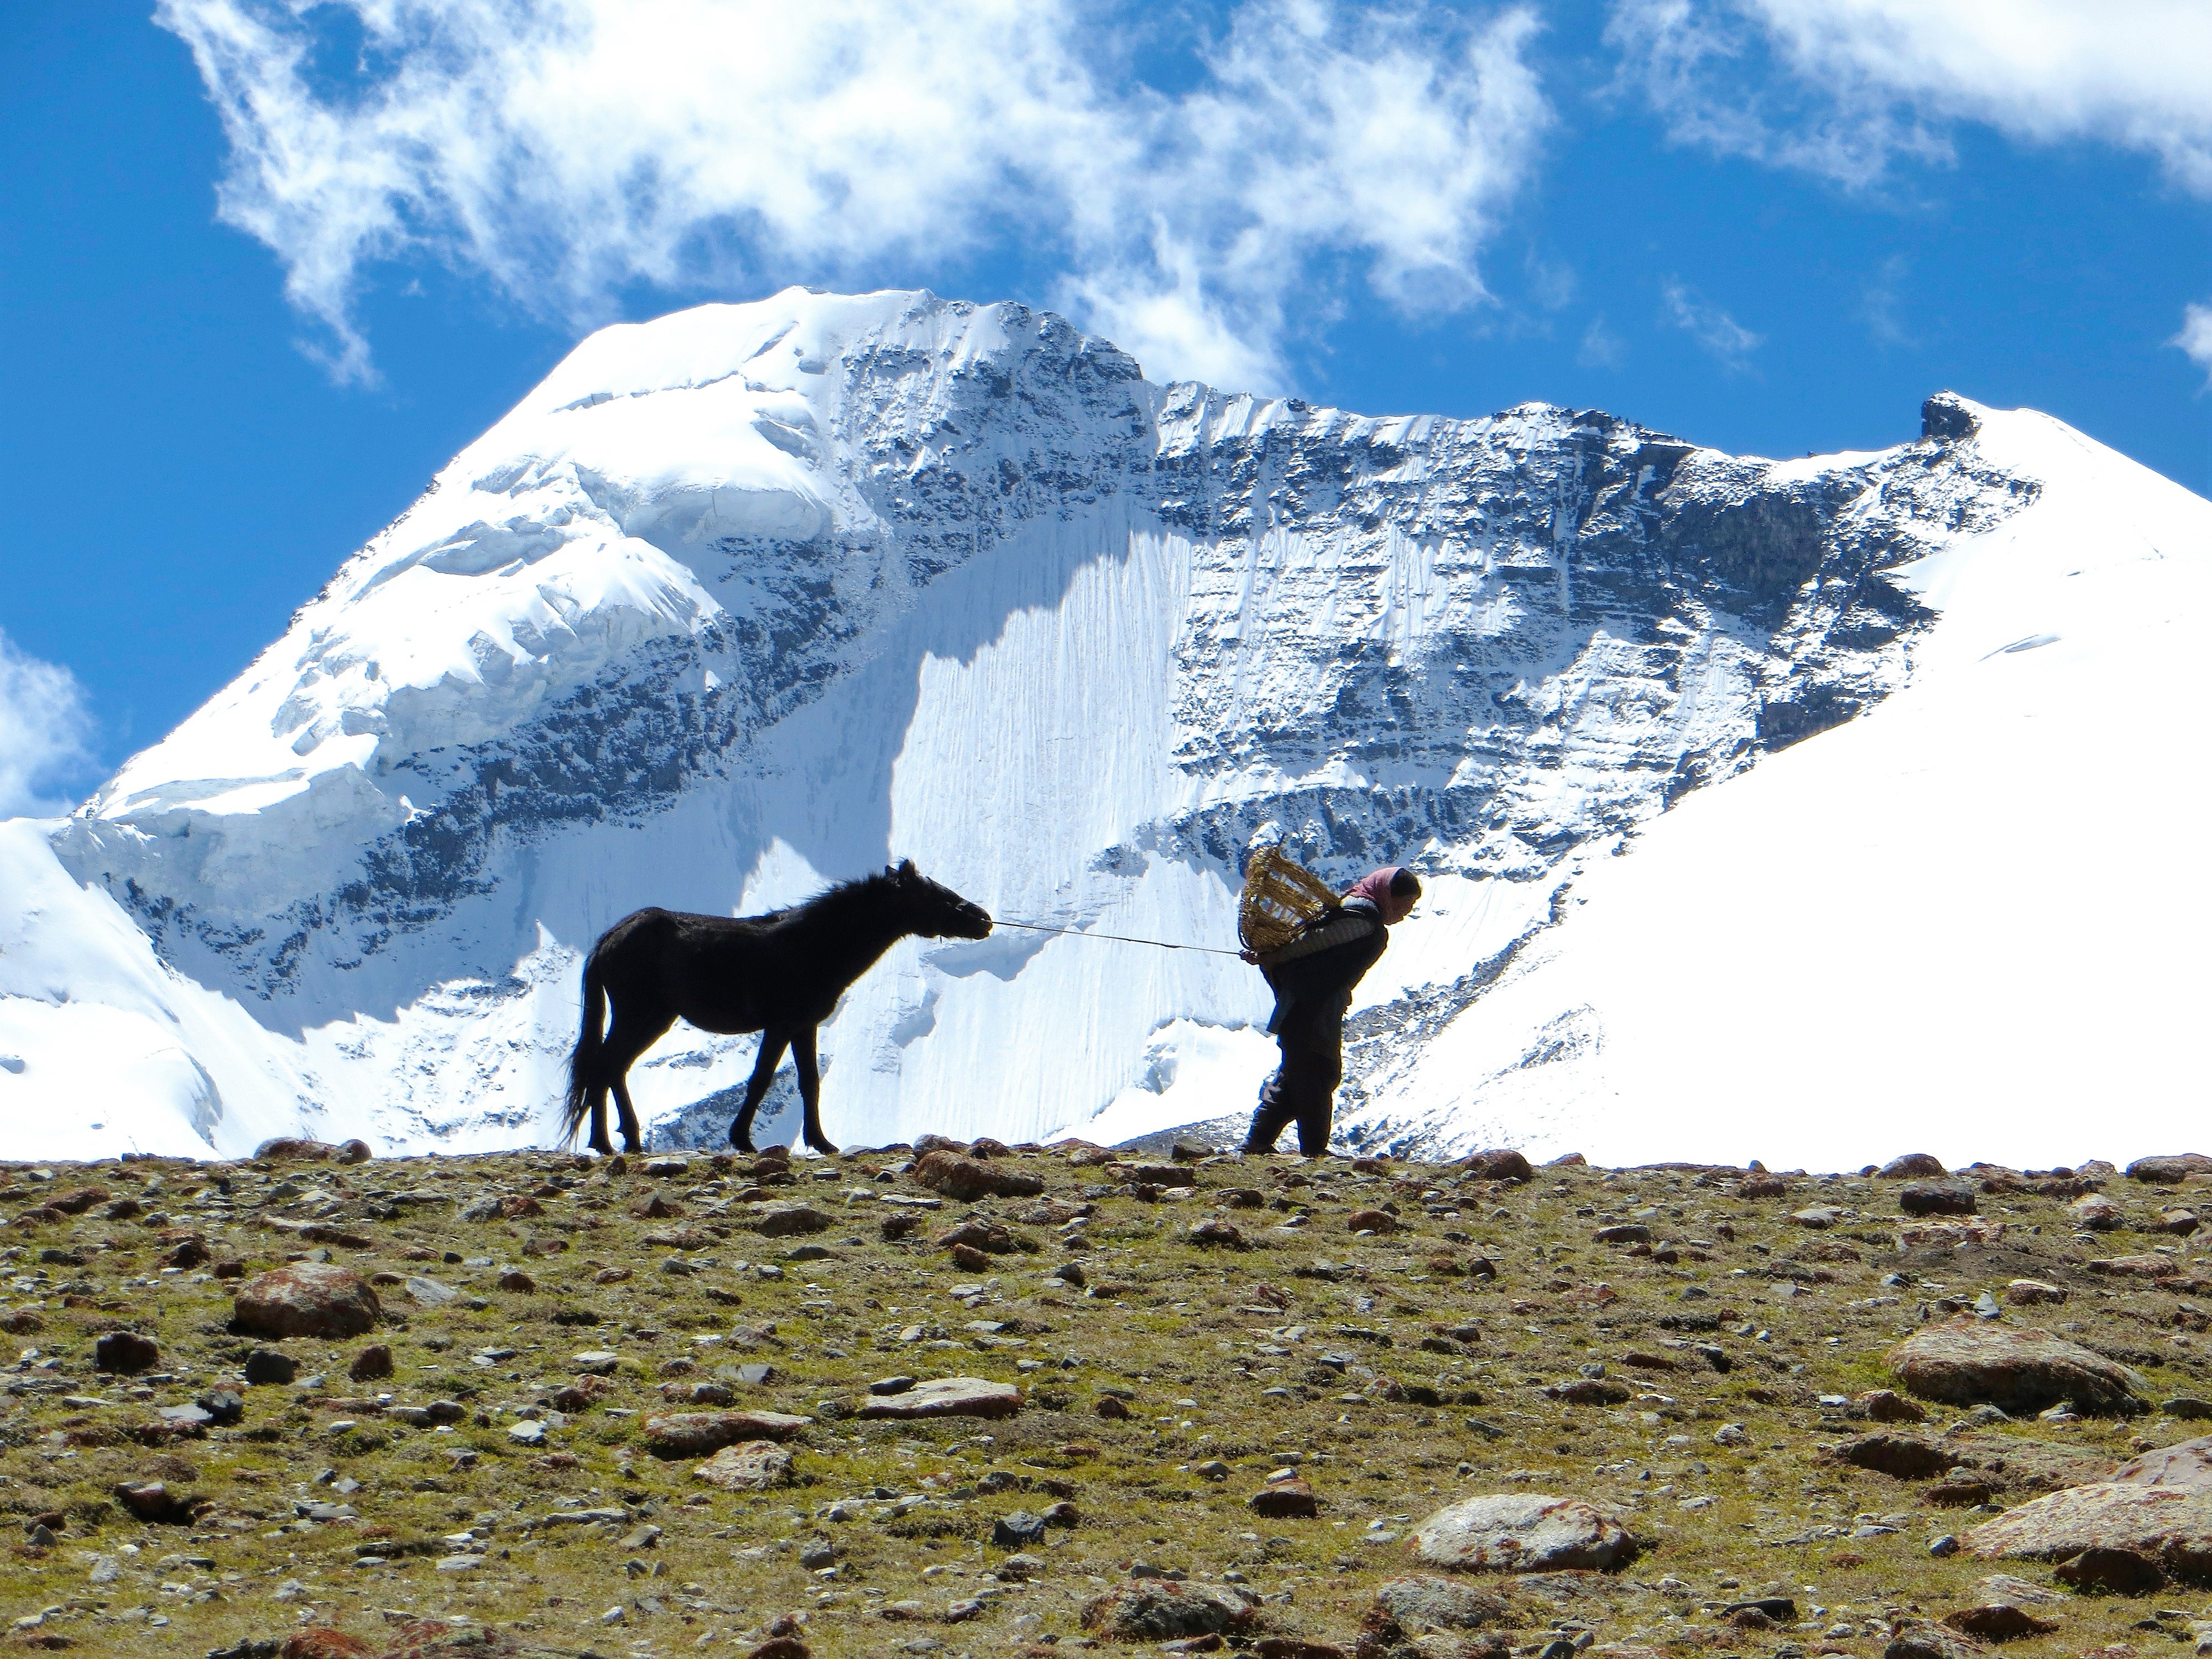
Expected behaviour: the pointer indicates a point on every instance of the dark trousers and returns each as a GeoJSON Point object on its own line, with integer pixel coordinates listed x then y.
{"type": "Point", "coordinates": [1302, 1090]}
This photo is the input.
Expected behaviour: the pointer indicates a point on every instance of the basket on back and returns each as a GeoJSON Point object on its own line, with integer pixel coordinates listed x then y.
{"type": "Point", "coordinates": [1279, 898]}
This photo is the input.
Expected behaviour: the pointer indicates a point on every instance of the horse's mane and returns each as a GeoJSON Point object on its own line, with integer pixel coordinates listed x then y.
{"type": "Point", "coordinates": [837, 897]}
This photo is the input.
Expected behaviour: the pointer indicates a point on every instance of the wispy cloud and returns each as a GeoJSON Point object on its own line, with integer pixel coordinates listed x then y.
{"type": "Point", "coordinates": [1600, 347]}
{"type": "Point", "coordinates": [1845, 87]}
{"type": "Point", "coordinates": [1729, 341]}
{"type": "Point", "coordinates": [1883, 299]}
{"type": "Point", "coordinates": [2196, 339]}
{"type": "Point", "coordinates": [45, 733]}
{"type": "Point", "coordinates": [568, 150]}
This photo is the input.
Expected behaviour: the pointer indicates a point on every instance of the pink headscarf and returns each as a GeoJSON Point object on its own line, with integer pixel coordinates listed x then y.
{"type": "Point", "coordinates": [1375, 886]}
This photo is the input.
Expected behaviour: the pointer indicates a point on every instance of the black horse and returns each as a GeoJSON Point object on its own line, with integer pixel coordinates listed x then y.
{"type": "Point", "coordinates": [780, 974]}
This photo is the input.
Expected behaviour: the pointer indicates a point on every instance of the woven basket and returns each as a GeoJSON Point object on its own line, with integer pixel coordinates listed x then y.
{"type": "Point", "coordinates": [1279, 898]}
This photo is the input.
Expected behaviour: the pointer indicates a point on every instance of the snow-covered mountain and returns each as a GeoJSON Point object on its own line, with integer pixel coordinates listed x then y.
{"type": "Point", "coordinates": [755, 597]}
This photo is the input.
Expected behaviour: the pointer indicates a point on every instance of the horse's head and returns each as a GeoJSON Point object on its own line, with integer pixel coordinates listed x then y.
{"type": "Point", "coordinates": [934, 910]}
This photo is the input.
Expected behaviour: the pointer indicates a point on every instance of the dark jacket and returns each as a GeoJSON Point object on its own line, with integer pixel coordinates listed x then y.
{"type": "Point", "coordinates": [1313, 976]}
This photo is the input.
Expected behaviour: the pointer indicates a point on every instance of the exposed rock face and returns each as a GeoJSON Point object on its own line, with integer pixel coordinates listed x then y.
{"type": "Point", "coordinates": [949, 1396]}
{"type": "Point", "coordinates": [1971, 1362]}
{"type": "Point", "coordinates": [1897, 1455]}
{"type": "Point", "coordinates": [2167, 1525]}
{"type": "Point", "coordinates": [314, 1151]}
{"type": "Point", "coordinates": [749, 1466]}
{"type": "Point", "coordinates": [1418, 1604]}
{"type": "Point", "coordinates": [1914, 1166]}
{"type": "Point", "coordinates": [1156, 1612]}
{"type": "Point", "coordinates": [307, 1298]}
{"type": "Point", "coordinates": [1525, 1532]}
{"type": "Point", "coordinates": [1922, 1640]}
{"type": "Point", "coordinates": [1936, 1198]}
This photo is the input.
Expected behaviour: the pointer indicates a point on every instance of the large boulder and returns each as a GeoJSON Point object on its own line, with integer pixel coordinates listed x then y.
{"type": "Point", "coordinates": [2170, 1169]}
{"type": "Point", "coordinates": [2170, 1526]}
{"type": "Point", "coordinates": [314, 1151]}
{"type": "Point", "coordinates": [1903, 1455]}
{"type": "Point", "coordinates": [964, 1180]}
{"type": "Point", "coordinates": [751, 1466]}
{"type": "Point", "coordinates": [307, 1298]}
{"type": "Point", "coordinates": [1432, 1618]}
{"type": "Point", "coordinates": [1972, 1362]}
{"type": "Point", "coordinates": [1526, 1532]}
{"type": "Point", "coordinates": [949, 1396]}
{"type": "Point", "coordinates": [1914, 1166]}
{"type": "Point", "coordinates": [695, 1434]}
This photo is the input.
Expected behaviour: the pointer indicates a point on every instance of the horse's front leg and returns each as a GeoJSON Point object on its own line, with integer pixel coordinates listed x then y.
{"type": "Point", "coordinates": [810, 1090]}
{"type": "Point", "coordinates": [772, 1046]}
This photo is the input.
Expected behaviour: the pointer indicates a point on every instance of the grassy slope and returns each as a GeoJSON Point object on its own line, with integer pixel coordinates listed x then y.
{"type": "Point", "coordinates": [1184, 1331]}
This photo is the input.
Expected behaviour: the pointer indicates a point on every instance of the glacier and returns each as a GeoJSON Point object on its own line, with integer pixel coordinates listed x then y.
{"type": "Point", "coordinates": [1770, 809]}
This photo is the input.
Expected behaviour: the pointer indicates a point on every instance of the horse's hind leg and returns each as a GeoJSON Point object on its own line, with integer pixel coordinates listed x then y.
{"type": "Point", "coordinates": [600, 1144]}
{"type": "Point", "coordinates": [810, 1090]}
{"type": "Point", "coordinates": [633, 1034]}
{"type": "Point", "coordinates": [772, 1046]}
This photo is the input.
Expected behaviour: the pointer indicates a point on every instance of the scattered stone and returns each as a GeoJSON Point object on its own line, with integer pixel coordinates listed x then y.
{"type": "Point", "coordinates": [1591, 1391]}
{"type": "Point", "coordinates": [788, 1223]}
{"type": "Point", "coordinates": [265, 1368]}
{"type": "Point", "coordinates": [2100, 1571]}
{"type": "Point", "coordinates": [964, 1180]}
{"type": "Point", "coordinates": [125, 1353]}
{"type": "Point", "coordinates": [1625, 1232]}
{"type": "Point", "coordinates": [1112, 1409]}
{"type": "Point", "coordinates": [1285, 1500]}
{"type": "Point", "coordinates": [322, 1642]}
{"type": "Point", "coordinates": [1526, 1532]}
{"type": "Point", "coordinates": [370, 1363]}
{"type": "Point", "coordinates": [1731, 1434]}
{"type": "Point", "coordinates": [1920, 1198]}
{"type": "Point", "coordinates": [518, 1282]}
{"type": "Point", "coordinates": [1914, 1166]}
{"type": "Point", "coordinates": [1917, 1639]}
{"type": "Point", "coordinates": [2158, 1506]}
{"type": "Point", "coordinates": [749, 1466]}
{"type": "Point", "coordinates": [2033, 1292]}
{"type": "Point", "coordinates": [948, 1396]}
{"type": "Point", "coordinates": [1017, 1530]}
{"type": "Point", "coordinates": [2184, 1406]}
{"type": "Point", "coordinates": [1885, 1405]}
{"type": "Point", "coordinates": [1999, 1621]}
{"type": "Point", "coordinates": [152, 1502]}
{"type": "Point", "coordinates": [307, 1298]}
{"type": "Point", "coordinates": [2148, 1266]}
{"type": "Point", "coordinates": [695, 1434]}
{"type": "Point", "coordinates": [224, 1409]}
{"type": "Point", "coordinates": [2097, 1213]}
{"type": "Point", "coordinates": [1153, 1610]}
{"type": "Point", "coordinates": [1897, 1454]}
{"type": "Point", "coordinates": [2170, 1169]}
{"type": "Point", "coordinates": [1500, 1165]}
{"type": "Point", "coordinates": [428, 1292]}
{"type": "Point", "coordinates": [1968, 1362]}
{"type": "Point", "coordinates": [288, 1150]}
{"type": "Point", "coordinates": [1380, 1222]}
{"type": "Point", "coordinates": [1216, 1232]}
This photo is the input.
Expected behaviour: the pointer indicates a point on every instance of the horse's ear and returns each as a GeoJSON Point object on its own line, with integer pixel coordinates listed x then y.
{"type": "Point", "coordinates": [906, 870]}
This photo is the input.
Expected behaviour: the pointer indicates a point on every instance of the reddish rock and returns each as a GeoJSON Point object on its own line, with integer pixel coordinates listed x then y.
{"type": "Point", "coordinates": [78, 1202]}
{"type": "Point", "coordinates": [949, 1396]}
{"type": "Point", "coordinates": [2105, 1571]}
{"type": "Point", "coordinates": [2033, 1292]}
{"type": "Point", "coordinates": [152, 1502]}
{"type": "Point", "coordinates": [1897, 1454]}
{"type": "Point", "coordinates": [1526, 1532]}
{"type": "Point", "coordinates": [979, 1235]}
{"type": "Point", "coordinates": [2136, 1266]}
{"type": "Point", "coordinates": [188, 1253]}
{"type": "Point", "coordinates": [657, 1208]}
{"type": "Point", "coordinates": [1157, 1175]}
{"type": "Point", "coordinates": [125, 1353]}
{"type": "Point", "coordinates": [1591, 1391]}
{"type": "Point", "coordinates": [1113, 1408]}
{"type": "Point", "coordinates": [1500, 1164]}
{"type": "Point", "coordinates": [1883, 1406]}
{"type": "Point", "coordinates": [697, 1434]}
{"type": "Point", "coordinates": [1216, 1232]}
{"type": "Point", "coordinates": [1917, 1639]}
{"type": "Point", "coordinates": [1923, 1198]}
{"type": "Point", "coordinates": [1969, 1361]}
{"type": "Point", "coordinates": [969, 1260]}
{"type": "Point", "coordinates": [964, 1180]}
{"type": "Point", "coordinates": [519, 1207]}
{"type": "Point", "coordinates": [314, 1151]}
{"type": "Point", "coordinates": [791, 1222]}
{"type": "Point", "coordinates": [1999, 1621]}
{"type": "Point", "coordinates": [518, 1282]}
{"type": "Point", "coordinates": [1914, 1166]}
{"type": "Point", "coordinates": [1292, 1500]}
{"type": "Point", "coordinates": [1370, 1221]}
{"type": "Point", "coordinates": [321, 1642]}
{"type": "Point", "coordinates": [307, 1298]}
{"type": "Point", "coordinates": [371, 1364]}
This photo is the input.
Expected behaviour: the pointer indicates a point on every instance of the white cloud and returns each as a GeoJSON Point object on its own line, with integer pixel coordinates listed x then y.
{"type": "Point", "coordinates": [2196, 339]}
{"type": "Point", "coordinates": [44, 732]}
{"type": "Point", "coordinates": [566, 150]}
{"type": "Point", "coordinates": [1600, 347]}
{"type": "Point", "coordinates": [1844, 87]}
{"type": "Point", "coordinates": [1727, 340]}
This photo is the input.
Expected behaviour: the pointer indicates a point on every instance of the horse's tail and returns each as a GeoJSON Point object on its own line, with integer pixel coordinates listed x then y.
{"type": "Point", "coordinates": [584, 1058]}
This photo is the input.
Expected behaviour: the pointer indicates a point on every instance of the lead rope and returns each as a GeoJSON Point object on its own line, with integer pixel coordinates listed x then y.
{"type": "Point", "coordinates": [1119, 938]}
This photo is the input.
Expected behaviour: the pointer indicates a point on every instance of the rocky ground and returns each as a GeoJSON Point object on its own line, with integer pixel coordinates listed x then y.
{"type": "Point", "coordinates": [539, 1403]}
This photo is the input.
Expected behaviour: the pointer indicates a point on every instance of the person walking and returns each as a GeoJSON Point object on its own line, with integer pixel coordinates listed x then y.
{"type": "Point", "coordinates": [1313, 977]}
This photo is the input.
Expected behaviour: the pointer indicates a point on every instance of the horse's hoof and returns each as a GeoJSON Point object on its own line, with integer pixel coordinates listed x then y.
{"type": "Point", "coordinates": [741, 1143]}
{"type": "Point", "coordinates": [824, 1148]}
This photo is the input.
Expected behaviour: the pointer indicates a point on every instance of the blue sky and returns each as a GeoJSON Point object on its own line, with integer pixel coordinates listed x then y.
{"type": "Point", "coordinates": [1771, 226]}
